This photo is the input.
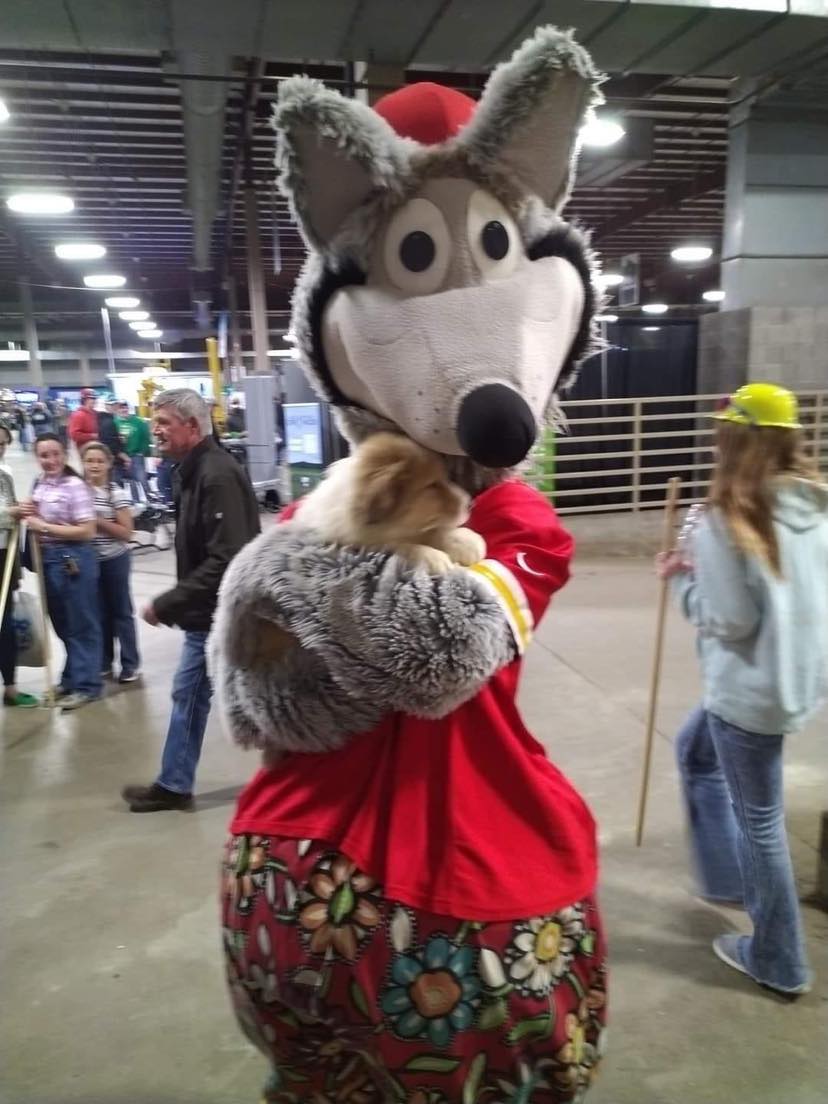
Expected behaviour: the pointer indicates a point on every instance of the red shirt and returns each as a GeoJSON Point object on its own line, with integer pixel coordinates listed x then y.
{"type": "Point", "coordinates": [83, 426]}
{"type": "Point", "coordinates": [464, 815]}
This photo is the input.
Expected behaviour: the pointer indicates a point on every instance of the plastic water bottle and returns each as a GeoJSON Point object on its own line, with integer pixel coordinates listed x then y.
{"type": "Point", "coordinates": [684, 542]}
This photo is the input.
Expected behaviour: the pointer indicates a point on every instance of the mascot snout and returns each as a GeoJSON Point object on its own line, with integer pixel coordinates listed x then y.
{"type": "Point", "coordinates": [495, 426]}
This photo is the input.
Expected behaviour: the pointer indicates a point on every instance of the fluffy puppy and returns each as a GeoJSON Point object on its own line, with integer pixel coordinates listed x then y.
{"type": "Point", "coordinates": [393, 494]}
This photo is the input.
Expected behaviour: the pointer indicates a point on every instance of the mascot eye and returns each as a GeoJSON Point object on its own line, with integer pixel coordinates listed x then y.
{"type": "Point", "coordinates": [493, 236]}
{"type": "Point", "coordinates": [495, 240]}
{"type": "Point", "coordinates": [417, 251]}
{"type": "Point", "coordinates": [417, 248]}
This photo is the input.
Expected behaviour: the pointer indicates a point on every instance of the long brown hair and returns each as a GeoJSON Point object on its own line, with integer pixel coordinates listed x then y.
{"type": "Point", "coordinates": [42, 438]}
{"type": "Point", "coordinates": [749, 459]}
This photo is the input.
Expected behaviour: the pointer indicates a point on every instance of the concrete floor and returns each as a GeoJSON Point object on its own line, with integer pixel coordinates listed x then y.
{"type": "Point", "coordinates": [111, 972]}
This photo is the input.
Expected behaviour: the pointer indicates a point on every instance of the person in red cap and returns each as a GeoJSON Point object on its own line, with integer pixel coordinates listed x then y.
{"type": "Point", "coordinates": [83, 424]}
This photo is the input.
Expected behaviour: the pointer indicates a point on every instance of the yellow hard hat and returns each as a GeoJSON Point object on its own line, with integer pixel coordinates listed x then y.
{"type": "Point", "coordinates": [762, 404]}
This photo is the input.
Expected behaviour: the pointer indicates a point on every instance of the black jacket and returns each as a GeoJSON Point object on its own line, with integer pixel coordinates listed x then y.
{"type": "Point", "coordinates": [108, 433]}
{"type": "Point", "coordinates": [217, 514]}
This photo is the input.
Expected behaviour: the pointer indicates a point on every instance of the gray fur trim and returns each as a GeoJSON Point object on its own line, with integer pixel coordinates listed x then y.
{"type": "Point", "coordinates": [596, 342]}
{"type": "Point", "coordinates": [536, 220]}
{"type": "Point", "coordinates": [376, 638]}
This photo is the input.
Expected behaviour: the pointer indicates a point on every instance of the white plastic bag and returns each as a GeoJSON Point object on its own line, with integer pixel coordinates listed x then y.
{"type": "Point", "coordinates": [27, 630]}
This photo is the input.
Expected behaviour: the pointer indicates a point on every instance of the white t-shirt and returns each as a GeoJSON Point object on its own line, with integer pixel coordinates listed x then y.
{"type": "Point", "coordinates": [108, 500]}
{"type": "Point", "coordinates": [7, 499]}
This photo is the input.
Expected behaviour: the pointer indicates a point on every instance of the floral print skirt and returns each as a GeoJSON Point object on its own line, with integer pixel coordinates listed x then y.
{"type": "Point", "coordinates": [355, 997]}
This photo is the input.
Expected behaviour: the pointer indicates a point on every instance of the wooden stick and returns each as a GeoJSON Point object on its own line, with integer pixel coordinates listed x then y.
{"type": "Point", "coordinates": [5, 588]}
{"type": "Point", "coordinates": [655, 680]}
{"type": "Point", "coordinates": [37, 561]}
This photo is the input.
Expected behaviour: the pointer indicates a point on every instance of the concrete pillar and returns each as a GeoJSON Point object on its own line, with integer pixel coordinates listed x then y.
{"type": "Point", "coordinates": [385, 78]}
{"type": "Point", "coordinates": [85, 367]}
{"type": "Point", "coordinates": [30, 332]}
{"type": "Point", "coordinates": [255, 283]}
{"type": "Point", "coordinates": [776, 211]}
{"type": "Point", "coordinates": [237, 370]}
{"type": "Point", "coordinates": [774, 320]}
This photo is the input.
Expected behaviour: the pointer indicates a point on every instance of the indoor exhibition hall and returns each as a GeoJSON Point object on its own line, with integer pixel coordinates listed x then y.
{"type": "Point", "coordinates": [414, 551]}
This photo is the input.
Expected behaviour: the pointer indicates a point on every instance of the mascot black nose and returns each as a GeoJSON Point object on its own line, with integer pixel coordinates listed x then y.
{"type": "Point", "coordinates": [495, 426]}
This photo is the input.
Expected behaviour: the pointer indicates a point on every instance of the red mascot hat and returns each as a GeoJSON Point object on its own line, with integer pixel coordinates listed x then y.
{"type": "Point", "coordinates": [429, 113]}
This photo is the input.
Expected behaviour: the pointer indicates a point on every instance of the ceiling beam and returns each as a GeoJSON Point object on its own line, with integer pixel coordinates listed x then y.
{"type": "Point", "coordinates": [25, 252]}
{"type": "Point", "coordinates": [665, 200]}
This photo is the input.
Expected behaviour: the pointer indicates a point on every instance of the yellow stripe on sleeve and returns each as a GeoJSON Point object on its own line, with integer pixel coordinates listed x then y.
{"type": "Point", "coordinates": [509, 593]}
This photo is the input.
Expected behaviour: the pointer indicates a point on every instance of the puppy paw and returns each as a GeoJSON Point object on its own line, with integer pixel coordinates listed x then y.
{"type": "Point", "coordinates": [465, 547]}
{"type": "Point", "coordinates": [430, 559]}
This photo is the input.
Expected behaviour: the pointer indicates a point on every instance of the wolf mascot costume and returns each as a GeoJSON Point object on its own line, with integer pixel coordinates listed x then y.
{"type": "Point", "coordinates": [408, 890]}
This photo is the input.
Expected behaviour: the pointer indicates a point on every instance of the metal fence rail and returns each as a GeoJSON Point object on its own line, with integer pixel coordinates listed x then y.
{"type": "Point", "coordinates": [619, 454]}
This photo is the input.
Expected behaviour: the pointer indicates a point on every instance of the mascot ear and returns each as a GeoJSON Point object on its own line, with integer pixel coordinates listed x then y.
{"type": "Point", "coordinates": [527, 122]}
{"type": "Point", "coordinates": [332, 153]}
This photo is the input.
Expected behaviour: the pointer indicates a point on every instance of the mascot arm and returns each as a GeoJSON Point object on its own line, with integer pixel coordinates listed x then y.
{"type": "Point", "coordinates": [374, 636]}
{"type": "Point", "coordinates": [424, 643]}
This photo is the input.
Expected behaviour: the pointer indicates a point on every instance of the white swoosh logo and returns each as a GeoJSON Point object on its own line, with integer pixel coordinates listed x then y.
{"type": "Point", "coordinates": [524, 566]}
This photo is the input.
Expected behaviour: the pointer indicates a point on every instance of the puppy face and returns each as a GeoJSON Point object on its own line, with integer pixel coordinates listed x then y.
{"type": "Point", "coordinates": [402, 491]}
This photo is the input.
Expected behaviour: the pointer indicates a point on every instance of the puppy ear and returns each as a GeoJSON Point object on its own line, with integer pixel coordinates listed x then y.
{"type": "Point", "coordinates": [379, 492]}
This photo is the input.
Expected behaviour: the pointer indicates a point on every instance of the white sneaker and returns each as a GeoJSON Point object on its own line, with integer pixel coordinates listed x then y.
{"type": "Point", "coordinates": [726, 948]}
{"type": "Point", "coordinates": [76, 701]}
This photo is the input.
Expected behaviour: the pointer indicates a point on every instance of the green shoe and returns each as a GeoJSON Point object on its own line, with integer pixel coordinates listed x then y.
{"type": "Point", "coordinates": [22, 701]}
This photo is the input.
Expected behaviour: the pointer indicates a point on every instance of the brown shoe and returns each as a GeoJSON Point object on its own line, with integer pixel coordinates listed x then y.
{"type": "Point", "coordinates": [154, 799]}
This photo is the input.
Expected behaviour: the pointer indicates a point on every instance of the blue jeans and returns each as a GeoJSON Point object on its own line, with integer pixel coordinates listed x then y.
{"type": "Point", "coordinates": [191, 696]}
{"type": "Point", "coordinates": [117, 616]}
{"type": "Point", "coordinates": [164, 476]}
{"type": "Point", "coordinates": [732, 782]}
{"type": "Point", "coordinates": [74, 609]}
{"type": "Point", "coordinates": [138, 474]}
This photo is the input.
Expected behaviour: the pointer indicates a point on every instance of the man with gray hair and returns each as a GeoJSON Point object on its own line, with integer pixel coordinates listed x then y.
{"type": "Point", "coordinates": [217, 515]}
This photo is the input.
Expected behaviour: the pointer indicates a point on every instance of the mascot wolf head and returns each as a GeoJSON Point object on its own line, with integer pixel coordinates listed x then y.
{"type": "Point", "coordinates": [443, 294]}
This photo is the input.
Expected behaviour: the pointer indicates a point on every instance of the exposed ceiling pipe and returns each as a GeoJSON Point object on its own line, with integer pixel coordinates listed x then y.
{"type": "Point", "coordinates": [203, 107]}
{"type": "Point", "coordinates": [241, 154]}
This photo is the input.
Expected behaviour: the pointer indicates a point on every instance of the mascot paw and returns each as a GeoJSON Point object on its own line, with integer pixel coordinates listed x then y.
{"type": "Point", "coordinates": [465, 547]}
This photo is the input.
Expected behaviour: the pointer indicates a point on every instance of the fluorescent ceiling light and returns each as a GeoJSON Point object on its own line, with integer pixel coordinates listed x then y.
{"type": "Point", "coordinates": [713, 296]}
{"type": "Point", "coordinates": [14, 354]}
{"type": "Point", "coordinates": [4, 112]}
{"type": "Point", "coordinates": [688, 253]}
{"type": "Point", "coordinates": [607, 318]}
{"type": "Point", "coordinates": [134, 316]}
{"type": "Point", "coordinates": [655, 308]}
{"type": "Point", "coordinates": [610, 279]}
{"type": "Point", "coordinates": [651, 329]}
{"type": "Point", "coordinates": [289, 338]}
{"type": "Point", "coordinates": [147, 325]}
{"type": "Point", "coordinates": [153, 334]}
{"type": "Point", "coordinates": [290, 354]}
{"type": "Point", "coordinates": [40, 203]}
{"type": "Point", "coordinates": [80, 251]}
{"type": "Point", "coordinates": [125, 302]}
{"type": "Point", "coordinates": [104, 280]}
{"type": "Point", "coordinates": [601, 131]}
